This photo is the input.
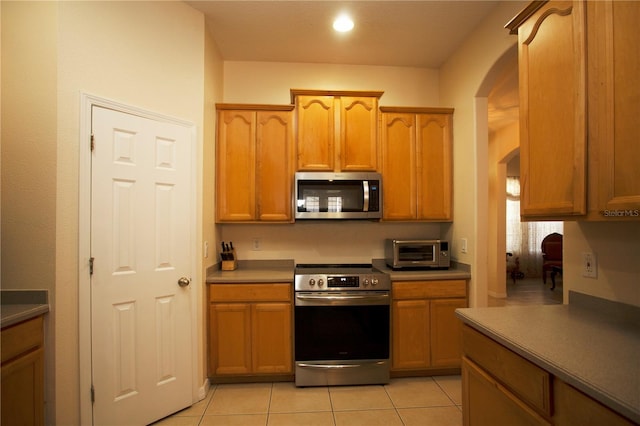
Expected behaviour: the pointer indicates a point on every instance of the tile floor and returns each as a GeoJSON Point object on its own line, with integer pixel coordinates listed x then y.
{"type": "Point", "coordinates": [407, 401]}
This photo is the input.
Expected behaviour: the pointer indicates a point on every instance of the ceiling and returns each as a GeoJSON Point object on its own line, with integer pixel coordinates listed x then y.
{"type": "Point", "coordinates": [414, 33]}
{"type": "Point", "coordinates": [393, 33]}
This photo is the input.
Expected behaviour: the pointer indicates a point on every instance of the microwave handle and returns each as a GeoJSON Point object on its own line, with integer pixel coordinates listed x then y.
{"type": "Point", "coordinates": [365, 190]}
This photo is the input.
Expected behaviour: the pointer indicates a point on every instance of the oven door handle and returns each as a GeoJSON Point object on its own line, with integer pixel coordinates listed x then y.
{"type": "Point", "coordinates": [334, 366]}
{"type": "Point", "coordinates": [333, 299]}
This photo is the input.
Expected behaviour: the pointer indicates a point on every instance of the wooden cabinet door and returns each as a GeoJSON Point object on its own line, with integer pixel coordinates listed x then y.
{"type": "Point", "coordinates": [271, 338]}
{"type": "Point", "coordinates": [486, 402]}
{"type": "Point", "coordinates": [230, 338]}
{"type": "Point", "coordinates": [410, 347]}
{"type": "Point", "coordinates": [316, 133]}
{"type": "Point", "coordinates": [358, 133]}
{"type": "Point", "coordinates": [434, 160]}
{"type": "Point", "coordinates": [399, 166]}
{"type": "Point", "coordinates": [274, 165]}
{"type": "Point", "coordinates": [574, 408]}
{"type": "Point", "coordinates": [446, 332]}
{"type": "Point", "coordinates": [553, 138]}
{"type": "Point", "coordinates": [614, 90]}
{"type": "Point", "coordinates": [235, 170]}
{"type": "Point", "coordinates": [23, 390]}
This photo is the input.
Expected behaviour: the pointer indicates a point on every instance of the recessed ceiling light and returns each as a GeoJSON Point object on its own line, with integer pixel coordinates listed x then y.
{"type": "Point", "coordinates": [343, 24]}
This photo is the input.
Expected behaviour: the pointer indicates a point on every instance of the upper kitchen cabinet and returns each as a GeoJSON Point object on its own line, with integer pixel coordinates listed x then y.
{"type": "Point", "coordinates": [336, 130]}
{"type": "Point", "coordinates": [579, 103]}
{"type": "Point", "coordinates": [254, 163]}
{"type": "Point", "coordinates": [614, 108]}
{"type": "Point", "coordinates": [417, 163]}
{"type": "Point", "coordinates": [552, 55]}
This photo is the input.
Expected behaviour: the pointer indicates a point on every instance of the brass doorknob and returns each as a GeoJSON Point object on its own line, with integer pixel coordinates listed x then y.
{"type": "Point", "coordinates": [184, 281]}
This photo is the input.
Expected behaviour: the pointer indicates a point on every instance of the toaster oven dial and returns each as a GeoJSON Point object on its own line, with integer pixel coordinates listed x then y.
{"type": "Point", "coordinates": [320, 282]}
{"type": "Point", "coordinates": [374, 282]}
{"type": "Point", "coordinates": [312, 282]}
{"type": "Point", "coordinates": [366, 282]}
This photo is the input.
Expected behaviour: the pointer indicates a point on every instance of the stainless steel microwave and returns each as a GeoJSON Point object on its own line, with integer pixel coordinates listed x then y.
{"type": "Point", "coordinates": [424, 254]}
{"type": "Point", "coordinates": [349, 195]}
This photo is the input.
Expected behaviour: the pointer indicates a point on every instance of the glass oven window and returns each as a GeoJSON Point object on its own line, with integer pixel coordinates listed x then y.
{"type": "Point", "coordinates": [328, 196]}
{"type": "Point", "coordinates": [341, 332]}
{"type": "Point", "coordinates": [417, 252]}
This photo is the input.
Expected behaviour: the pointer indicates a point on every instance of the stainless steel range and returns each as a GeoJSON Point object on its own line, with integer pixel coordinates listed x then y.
{"type": "Point", "coordinates": [342, 317]}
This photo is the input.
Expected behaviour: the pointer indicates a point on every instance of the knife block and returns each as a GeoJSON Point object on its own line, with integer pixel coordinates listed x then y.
{"type": "Point", "coordinates": [230, 265]}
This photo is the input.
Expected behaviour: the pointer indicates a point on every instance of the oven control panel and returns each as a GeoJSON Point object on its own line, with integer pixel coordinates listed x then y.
{"type": "Point", "coordinates": [326, 282]}
{"type": "Point", "coordinates": [343, 281]}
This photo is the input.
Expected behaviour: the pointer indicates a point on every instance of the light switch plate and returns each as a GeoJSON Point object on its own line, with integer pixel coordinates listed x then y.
{"type": "Point", "coordinates": [589, 265]}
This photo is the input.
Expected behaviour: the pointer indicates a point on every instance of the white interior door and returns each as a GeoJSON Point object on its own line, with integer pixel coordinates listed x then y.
{"type": "Point", "coordinates": [141, 222]}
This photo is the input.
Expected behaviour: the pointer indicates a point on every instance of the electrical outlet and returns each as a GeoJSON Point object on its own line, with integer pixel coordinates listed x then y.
{"type": "Point", "coordinates": [463, 245]}
{"type": "Point", "coordinates": [206, 249]}
{"type": "Point", "coordinates": [589, 265]}
{"type": "Point", "coordinates": [255, 244]}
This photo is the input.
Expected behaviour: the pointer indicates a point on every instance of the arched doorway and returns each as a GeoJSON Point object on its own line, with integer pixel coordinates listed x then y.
{"type": "Point", "coordinates": [501, 90]}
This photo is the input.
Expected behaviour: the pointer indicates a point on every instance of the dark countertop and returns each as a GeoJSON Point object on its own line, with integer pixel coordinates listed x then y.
{"type": "Point", "coordinates": [591, 344]}
{"type": "Point", "coordinates": [278, 271]}
{"type": "Point", "coordinates": [21, 305]}
{"type": "Point", "coordinates": [457, 271]}
{"type": "Point", "coordinates": [254, 271]}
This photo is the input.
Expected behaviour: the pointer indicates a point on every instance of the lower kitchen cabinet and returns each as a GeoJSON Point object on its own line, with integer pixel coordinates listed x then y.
{"type": "Point", "coordinates": [573, 408]}
{"type": "Point", "coordinates": [250, 329]}
{"type": "Point", "coordinates": [23, 373]}
{"type": "Point", "coordinates": [499, 387]}
{"type": "Point", "coordinates": [486, 402]}
{"type": "Point", "coordinates": [425, 330]}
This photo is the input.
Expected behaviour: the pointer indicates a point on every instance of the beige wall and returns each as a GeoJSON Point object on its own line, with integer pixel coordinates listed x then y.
{"type": "Point", "coordinates": [465, 81]}
{"type": "Point", "coordinates": [146, 54]}
{"type": "Point", "coordinates": [271, 82]}
{"type": "Point", "coordinates": [29, 144]}
{"type": "Point", "coordinates": [616, 246]}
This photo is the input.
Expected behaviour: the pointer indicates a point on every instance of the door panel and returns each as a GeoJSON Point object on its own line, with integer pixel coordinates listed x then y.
{"type": "Point", "coordinates": [141, 221]}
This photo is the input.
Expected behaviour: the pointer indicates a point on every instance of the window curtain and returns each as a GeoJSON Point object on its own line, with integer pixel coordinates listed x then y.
{"type": "Point", "coordinates": [525, 238]}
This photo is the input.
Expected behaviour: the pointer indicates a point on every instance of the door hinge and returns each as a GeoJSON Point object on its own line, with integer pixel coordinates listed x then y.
{"type": "Point", "coordinates": [91, 260]}
{"type": "Point", "coordinates": [93, 394]}
{"type": "Point", "coordinates": [93, 145]}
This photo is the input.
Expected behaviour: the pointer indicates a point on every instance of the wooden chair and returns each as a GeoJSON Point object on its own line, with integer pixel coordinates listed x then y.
{"type": "Point", "coordinates": [551, 257]}
{"type": "Point", "coordinates": [514, 271]}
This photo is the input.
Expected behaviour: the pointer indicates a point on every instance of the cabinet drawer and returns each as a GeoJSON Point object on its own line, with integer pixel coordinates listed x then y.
{"type": "Point", "coordinates": [531, 383]}
{"type": "Point", "coordinates": [486, 402]}
{"type": "Point", "coordinates": [429, 289]}
{"type": "Point", "coordinates": [278, 292]}
{"type": "Point", "coordinates": [21, 338]}
{"type": "Point", "coordinates": [572, 407]}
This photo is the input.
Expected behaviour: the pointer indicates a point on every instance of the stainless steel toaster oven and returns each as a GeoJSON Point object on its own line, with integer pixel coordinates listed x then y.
{"type": "Point", "coordinates": [417, 254]}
